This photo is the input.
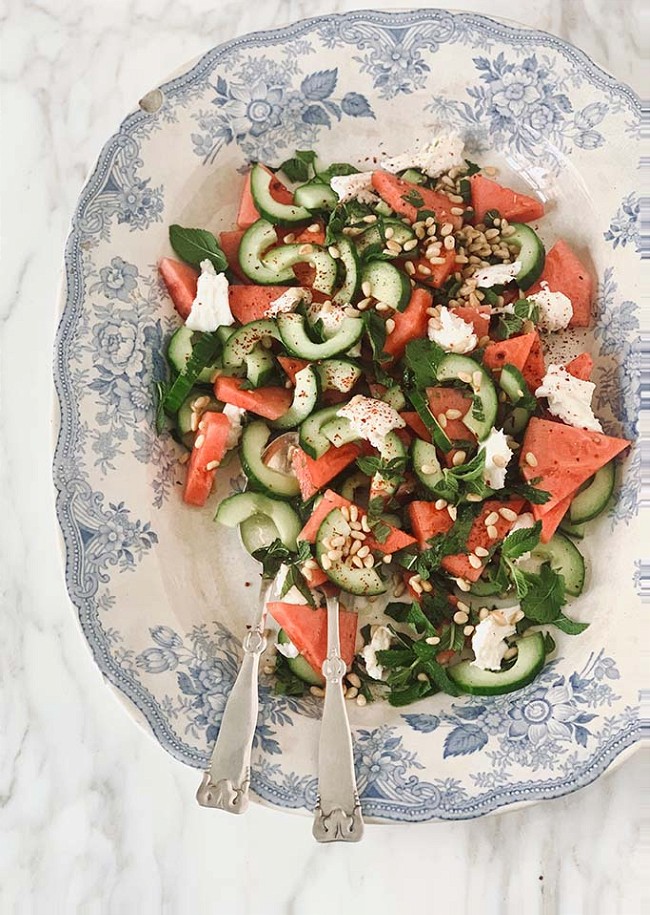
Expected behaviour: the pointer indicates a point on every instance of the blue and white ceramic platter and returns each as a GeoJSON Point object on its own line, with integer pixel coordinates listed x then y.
{"type": "Point", "coordinates": [162, 594]}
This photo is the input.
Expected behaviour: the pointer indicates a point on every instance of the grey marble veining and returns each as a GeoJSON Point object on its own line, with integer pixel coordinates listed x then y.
{"type": "Point", "coordinates": [94, 816]}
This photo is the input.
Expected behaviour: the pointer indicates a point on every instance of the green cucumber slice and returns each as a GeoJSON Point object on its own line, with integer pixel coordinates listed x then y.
{"type": "Point", "coordinates": [281, 259]}
{"type": "Point", "coordinates": [387, 284]}
{"type": "Point", "coordinates": [593, 500]}
{"type": "Point", "coordinates": [564, 558]}
{"type": "Point", "coordinates": [315, 196]}
{"type": "Point", "coordinates": [424, 455]}
{"type": "Point", "coordinates": [349, 578]}
{"type": "Point", "coordinates": [339, 431]}
{"type": "Point", "coordinates": [451, 368]}
{"type": "Point", "coordinates": [338, 374]}
{"type": "Point", "coordinates": [185, 411]}
{"type": "Point", "coordinates": [299, 665]}
{"type": "Point", "coordinates": [351, 484]}
{"type": "Point", "coordinates": [260, 477]}
{"type": "Point", "coordinates": [260, 365]}
{"type": "Point", "coordinates": [179, 351]}
{"type": "Point", "coordinates": [256, 240]}
{"type": "Point", "coordinates": [577, 531]}
{"type": "Point", "coordinates": [298, 343]}
{"type": "Point", "coordinates": [531, 254]}
{"type": "Point", "coordinates": [413, 176]}
{"type": "Point", "coordinates": [380, 486]}
{"type": "Point", "coordinates": [244, 506]}
{"type": "Point", "coordinates": [395, 398]}
{"type": "Point", "coordinates": [258, 532]}
{"type": "Point", "coordinates": [243, 341]}
{"type": "Point", "coordinates": [350, 260]}
{"type": "Point", "coordinates": [477, 682]}
{"type": "Point", "coordinates": [269, 208]}
{"type": "Point", "coordinates": [312, 439]}
{"type": "Point", "coordinates": [512, 382]}
{"type": "Point", "coordinates": [305, 396]}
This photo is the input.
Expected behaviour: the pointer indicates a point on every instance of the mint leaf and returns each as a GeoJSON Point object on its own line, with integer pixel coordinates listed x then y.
{"type": "Point", "coordinates": [299, 167]}
{"type": "Point", "coordinates": [376, 330]}
{"type": "Point", "coordinates": [438, 674]}
{"type": "Point", "coordinates": [422, 358]}
{"type": "Point", "coordinates": [433, 426]}
{"type": "Point", "coordinates": [336, 169]}
{"type": "Point", "coordinates": [521, 541]}
{"type": "Point", "coordinates": [571, 627]}
{"type": "Point", "coordinates": [527, 491]}
{"type": "Point", "coordinates": [508, 325]}
{"type": "Point", "coordinates": [196, 245]}
{"type": "Point", "coordinates": [545, 598]}
{"type": "Point", "coordinates": [449, 544]}
{"type": "Point", "coordinates": [390, 470]}
{"type": "Point", "coordinates": [414, 197]}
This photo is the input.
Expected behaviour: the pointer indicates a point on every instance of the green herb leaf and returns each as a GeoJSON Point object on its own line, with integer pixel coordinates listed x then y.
{"type": "Point", "coordinates": [295, 578]}
{"type": "Point", "coordinates": [437, 432]}
{"type": "Point", "coordinates": [376, 330]}
{"type": "Point", "coordinates": [204, 352]}
{"type": "Point", "coordinates": [472, 167]}
{"type": "Point", "coordinates": [299, 167]}
{"type": "Point", "coordinates": [508, 325]}
{"type": "Point", "coordinates": [390, 470]}
{"type": "Point", "coordinates": [521, 541]}
{"type": "Point", "coordinates": [286, 682]}
{"type": "Point", "coordinates": [447, 544]}
{"type": "Point", "coordinates": [416, 690]}
{"type": "Point", "coordinates": [545, 598]}
{"type": "Point", "coordinates": [392, 658]}
{"type": "Point", "coordinates": [527, 491]}
{"type": "Point", "coordinates": [196, 245]}
{"type": "Point", "coordinates": [414, 197]}
{"type": "Point", "coordinates": [336, 169]}
{"type": "Point", "coordinates": [438, 674]}
{"type": "Point", "coordinates": [422, 357]}
{"type": "Point", "coordinates": [571, 627]}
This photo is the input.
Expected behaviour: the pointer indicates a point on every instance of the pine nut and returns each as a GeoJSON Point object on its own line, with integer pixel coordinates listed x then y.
{"type": "Point", "coordinates": [481, 551]}
{"type": "Point", "coordinates": [512, 652]}
{"type": "Point", "coordinates": [453, 414]}
{"type": "Point", "coordinates": [427, 586]}
{"type": "Point", "coordinates": [314, 227]}
{"type": "Point", "coordinates": [499, 461]}
{"type": "Point", "coordinates": [289, 239]}
{"type": "Point", "coordinates": [317, 691]}
{"type": "Point", "coordinates": [460, 617]}
{"type": "Point", "coordinates": [531, 459]}
{"type": "Point", "coordinates": [453, 512]}
{"type": "Point", "coordinates": [450, 243]}
{"type": "Point", "coordinates": [468, 630]}
{"type": "Point", "coordinates": [409, 245]}
{"type": "Point", "coordinates": [492, 518]}
{"type": "Point", "coordinates": [462, 584]}
{"type": "Point", "coordinates": [473, 497]}
{"type": "Point", "coordinates": [369, 562]}
{"type": "Point", "coordinates": [459, 458]}
{"type": "Point", "coordinates": [508, 514]}
{"type": "Point", "coordinates": [433, 640]}
{"type": "Point", "coordinates": [365, 524]}
{"type": "Point", "coordinates": [363, 552]}
{"type": "Point", "coordinates": [387, 558]}
{"type": "Point", "coordinates": [357, 563]}
{"type": "Point", "coordinates": [334, 555]}
{"type": "Point", "coordinates": [212, 465]}
{"type": "Point", "coordinates": [354, 547]}
{"type": "Point", "coordinates": [353, 692]}
{"type": "Point", "coordinates": [390, 231]}
{"type": "Point", "coordinates": [477, 377]}
{"type": "Point", "coordinates": [394, 246]}
{"type": "Point", "coordinates": [409, 266]}
{"type": "Point", "coordinates": [474, 561]}
{"type": "Point", "coordinates": [361, 699]}
{"type": "Point", "coordinates": [442, 420]}
{"type": "Point", "coordinates": [354, 513]}
{"type": "Point", "coordinates": [390, 326]}
{"type": "Point", "coordinates": [366, 288]}
{"type": "Point", "coordinates": [483, 613]}
{"type": "Point", "coordinates": [325, 563]}
{"type": "Point", "coordinates": [422, 677]}
{"type": "Point", "coordinates": [416, 585]}
{"type": "Point", "coordinates": [306, 249]}
{"type": "Point", "coordinates": [492, 532]}
{"type": "Point", "coordinates": [200, 440]}
{"type": "Point", "coordinates": [399, 589]}
{"type": "Point", "coordinates": [425, 271]}
{"type": "Point", "coordinates": [447, 229]}
{"type": "Point", "coordinates": [440, 504]}
{"type": "Point", "coordinates": [194, 422]}
{"type": "Point", "coordinates": [427, 469]}
{"type": "Point", "coordinates": [334, 252]}
{"type": "Point", "coordinates": [353, 679]}
{"type": "Point", "coordinates": [358, 535]}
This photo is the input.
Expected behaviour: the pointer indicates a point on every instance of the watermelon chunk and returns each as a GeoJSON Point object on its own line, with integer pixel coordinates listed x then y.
{"type": "Point", "coordinates": [551, 520]}
{"type": "Point", "coordinates": [248, 212]}
{"type": "Point", "coordinates": [581, 367]}
{"type": "Point", "coordinates": [565, 272]}
{"type": "Point", "coordinates": [440, 273]}
{"type": "Point", "coordinates": [443, 399]}
{"type": "Point", "coordinates": [396, 539]}
{"type": "Point", "coordinates": [478, 317]}
{"type": "Point", "coordinates": [459, 565]}
{"type": "Point", "coordinates": [250, 303]}
{"type": "Point", "coordinates": [213, 436]}
{"type": "Point", "coordinates": [412, 419]}
{"type": "Point", "coordinates": [394, 191]}
{"type": "Point", "coordinates": [272, 403]}
{"type": "Point", "coordinates": [313, 473]}
{"type": "Point", "coordinates": [230, 242]}
{"type": "Point", "coordinates": [291, 366]}
{"type": "Point", "coordinates": [566, 458]}
{"type": "Point", "coordinates": [427, 521]}
{"type": "Point", "coordinates": [180, 280]}
{"type": "Point", "coordinates": [307, 629]}
{"type": "Point", "coordinates": [515, 207]}
{"type": "Point", "coordinates": [310, 237]}
{"type": "Point", "coordinates": [534, 368]}
{"type": "Point", "coordinates": [410, 324]}
{"type": "Point", "coordinates": [514, 351]}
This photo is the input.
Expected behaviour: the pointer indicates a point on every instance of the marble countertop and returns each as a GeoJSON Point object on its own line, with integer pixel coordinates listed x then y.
{"type": "Point", "coordinates": [94, 816]}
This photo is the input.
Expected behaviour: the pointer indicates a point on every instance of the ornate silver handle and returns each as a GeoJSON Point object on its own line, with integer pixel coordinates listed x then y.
{"type": "Point", "coordinates": [225, 784]}
{"type": "Point", "coordinates": [337, 817]}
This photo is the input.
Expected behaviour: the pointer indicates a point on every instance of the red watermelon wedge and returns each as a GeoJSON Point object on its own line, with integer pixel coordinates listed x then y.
{"type": "Point", "coordinates": [250, 303]}
{"type": "Point", "coordinates": [581, 367]}
{"type": "Point", "coordinates": [565, 272]}
{"type": "Point", "coordinates": [406, 199]}
{"type": "Point", "coordinates": [514, 351]}
{"type": "Point", "coordinates": [551, 520]}
{"type": "Point", "coordinates": [459, 565]}
{"type": "Point", "coordinates": [442, 399]}
{"type": "Point", "coordinates": [515, 207]}
{"type": "Point", "coordinates": [427, 521]}
{"type": "Point", "coordinates": [230, 242]}
{"type": "Point", "coordinates": [307, 629]}
{"type": "Point", "coordinates": [314, 473]}
{"type": "Point", "coordinates": [412, 419]}
{"type": "Point", "coordinates": [479, 317]}
{"type": "Point", "coordinates": [248, 212]}
{"type": "Point", "coordinates": [396, 539]}
{"type": "Point", "coordinates": [535, 367]}
{"type": "Point", "coordinates": [180, 280]}
{"type": "Point", "coordinates": [564, 458]}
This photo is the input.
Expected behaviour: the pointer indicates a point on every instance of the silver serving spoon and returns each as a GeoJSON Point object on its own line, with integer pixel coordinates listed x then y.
{"type": "Point", "coordinates": [226, 782]}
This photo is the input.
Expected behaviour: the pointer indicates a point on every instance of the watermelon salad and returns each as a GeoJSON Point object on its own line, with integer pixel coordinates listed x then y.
{"type": "Point", "coordinates": [373, 344]}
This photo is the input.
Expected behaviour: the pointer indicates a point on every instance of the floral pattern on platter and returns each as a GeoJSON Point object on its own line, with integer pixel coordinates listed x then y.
{"type": "Point", "coordinates": [261, 96]}
{"type": "Point", "coordinates": [264, 114]}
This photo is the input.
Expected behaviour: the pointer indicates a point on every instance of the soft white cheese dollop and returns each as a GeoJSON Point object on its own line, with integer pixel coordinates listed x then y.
{"type": "Point", "coordinates": [371, 419]}
{"type": "Point", "coordinates": [555, 308]}
{"type": "Point", "coordinates": [496, 274]}
{"type": "Point", "coordinates": [210, 309]}
{"type": "Point", "coordinates": [288, 649]}
{"type": "Point", "coordinates": [443, 153]}
{"type": "Point", "coordinates": [349, 187]}
{"type": "Point", "coordinates": [452, 333]}
{"type": "Point", "coordinates": [287, 302]}
{"type": "Point", "coordinates": [235, 416]}
{"type": "Point", "coordinates": [330, 314]}
{"type": "Point", "coordinates": [495, 446]}
{"type": "Point", "coordinates": [380, 641]}
{"type": "Point", "coordinates": [488, 642]}
{"type": "Point", "coordinates": [569, 398]}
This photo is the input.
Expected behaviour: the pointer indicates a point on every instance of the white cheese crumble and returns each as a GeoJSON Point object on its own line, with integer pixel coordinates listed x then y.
{"type": "Point", "coordinates": [496, 274]}
{"type": "Point", "coordinates": [330, 314]}
{"type": "Point", "coordinates": [293, 595]}
{"type": "Point", "coordinates": [443, 153]}
{"type": "Point", "coordinates": [349, 187]}
{"type": "Point", "coordinates": [235, 416]}
{"type": "Point", "coordinates": [371, 419]}
{"type": "Point", "coordinates": [287, 302]}
{"type": "Point", "coordinates": [288, 649]}
{"type": "Point", "coordinates": [488, 642]}
{"type": "Point", "coordinates": [555, 308]}
{"type": "Point", "coordinates": [452, 333]}
{"type": "Point", "coordinates": [210, 309]}
{"type": "Point", "coordinates": [569, 398]}
{"type": "Point", "coordinates": [497, 458]}
{"type": "Point", "coordinates": [380, 641]}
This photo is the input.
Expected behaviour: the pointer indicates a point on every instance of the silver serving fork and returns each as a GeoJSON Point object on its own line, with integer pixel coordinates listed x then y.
{"type": "Point", "coordinates": [226, 782]}
{"type": "Point", "coordinates": [337, 817]}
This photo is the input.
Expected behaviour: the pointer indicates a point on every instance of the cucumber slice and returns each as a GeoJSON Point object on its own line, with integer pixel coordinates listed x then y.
{"type": "Point", "coordinates": [269, 208]}
{"type": "Point", "coordinates": [256, 240]}
{"type": "Point", "coordinates": [413, 176]}
{"type": "Point", "coordinates": [260, 365]}
{"type": "Point", "coordinates": [512, 382]}
{"type": "Point", "coordinates": [477, 682]}
{"type": "Point", "coordinates": [312, 439]}
{"type": "Point", "coordinates": [299, 665]}
{"type": "Point", "coordinates": [451, 368]}
{"type": "Point", "coordinates": [339, 431]}
{"type": "Point", "coordinates": [315, 196]}
{"type": "Point", "coordinates": [387, 284]}
{"type": "Point", "coordinates": [258, 532]}
{"type": "Point", "coordinates": [374, 238]}
{"type": "Point", "coordinates": [243, 341]}
{"type": "Point", "coordinates": [179, 351]}
{"type": "Point", "coordinates": [564, 558]}
{"type": "Point", "coordinates": [338, 374]}
{"type": "Point", "coordinates": [531, 254]}
{"type": "Point", "coordinates": [516, 422]}
{"type": "Point", "coordinates": [392, 447]}
{"type": "Point", "coordinates": [383, 209]}
{"type": "Point", "coordinates": [245, 506]}
{"type": "Point", "coordinates": [260, 477]}
{"type": "Point", "coordinates": [593, 500]}
{"type": "Point", "coordinates": [185, 412]}
{"type": "Point", "coordinates": [305, 395]}
{"type": "Point", "coordinates": [295, 337]}
{"type": "Point", "coordinates": [349, 578]}
{"type": "Point", "coordinates": [284, 257]}
{"type": "Point", "coordinates": [424, 455]}
{"type": "Point", "coordinates": [354, 482]}
{"type": "Point", "coordinates": [577, 531]}
{"type": "Point", "coordinates": [350, 260]}
{"type": "Point", "coordinates": [395, 398]}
